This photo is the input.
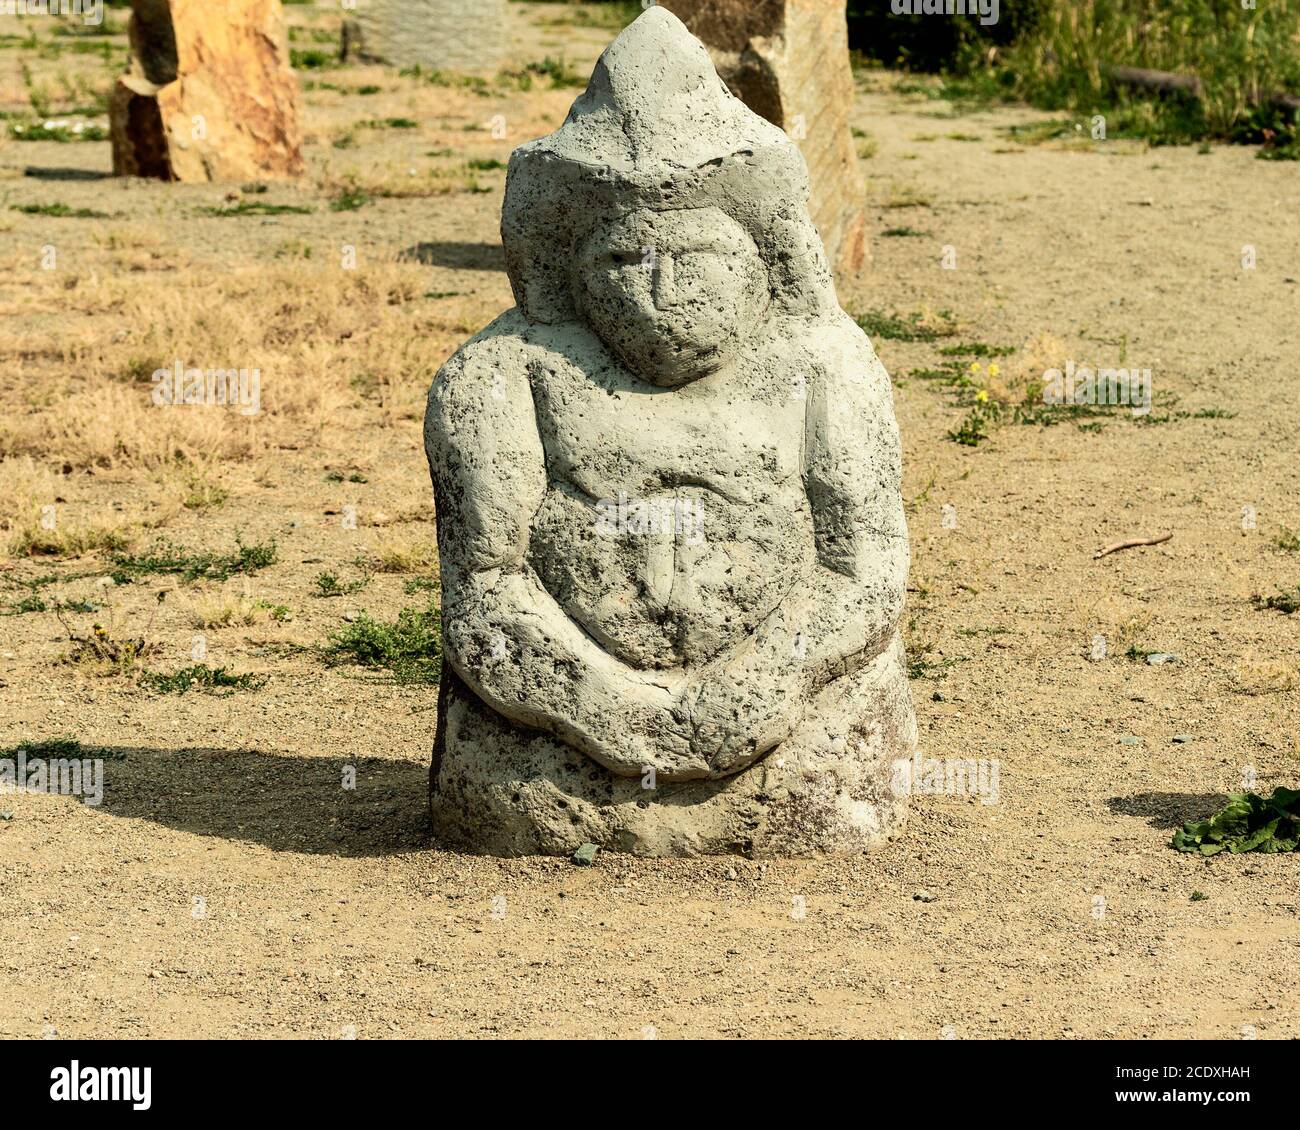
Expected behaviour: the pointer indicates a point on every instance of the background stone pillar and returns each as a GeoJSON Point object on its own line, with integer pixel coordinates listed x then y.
{"type": "Point", "coordinates": [446, 35]}
{"type": "Point", "coordinates": [209, 94]}
{"type": "Point", "coordinates": [788, 60]}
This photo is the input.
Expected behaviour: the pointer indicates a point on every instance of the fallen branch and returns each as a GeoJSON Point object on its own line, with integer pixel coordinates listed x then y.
{"type": "Point", "coordinates": [1168, 82]}
{"type": "Point", "coordinates": [1163, 82]}
{"type": "Point", "coordinates": [1132, 543]}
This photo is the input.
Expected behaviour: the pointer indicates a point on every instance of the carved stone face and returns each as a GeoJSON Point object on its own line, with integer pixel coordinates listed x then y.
{"type": "Point", "coordinates": [674, 294]}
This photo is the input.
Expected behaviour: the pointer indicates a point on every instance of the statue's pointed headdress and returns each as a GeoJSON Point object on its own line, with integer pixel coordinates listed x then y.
{"type": "Point", "coordinates": [657, 128]}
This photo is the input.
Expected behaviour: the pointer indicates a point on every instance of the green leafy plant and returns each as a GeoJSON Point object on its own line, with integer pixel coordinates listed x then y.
{"type": "Point", "coordinates": [1287, 540]}
{"type": "Point", "coordinates": [974, 428]}
{"type": "Point", "coordinates": [913, 327]}
{"type": "Point", "coordinates": [166, 558]}
{"type": "Point", "coordinates": [312, 59]}
{"type": "Point", "coordinates": [58, 131]}
{"type": "Point", "coordinates": [1248, 822]}
{"type": "Point", "coordinates": [558, 71]}
{"type": "Point", "coordinates": [414, 585]}
{"type": "Point", "coordinates": [349, 199]}
{"type": "Point", "coordinates": [1285, 600]}
{"type": "Point", "coordinates": [921, 666]}
{"type": "Point", "coordinates": [57, 749]}
{"type": "Point", "coordinates": [328, 584]}
{"type": "Point", "coordinates": [976, 349]}
{"type": "Point", "coordinates": [200, 677]}
{"type": "Point", "coordinates": [60, 211]}
{"type": "Point", "coordinates": [257, 208]}
{"type": "Point", "coordinates": [32, 602]}
{"type": "Point", "coordinates": [411, 648]}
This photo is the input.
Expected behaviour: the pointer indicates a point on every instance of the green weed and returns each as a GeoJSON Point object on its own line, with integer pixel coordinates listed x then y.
{"type": "Point", "coordinates": [410, 648]}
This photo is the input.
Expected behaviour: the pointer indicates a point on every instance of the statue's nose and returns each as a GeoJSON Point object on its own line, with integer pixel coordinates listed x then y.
{"type": "Point", "coordinates": [665, 286]}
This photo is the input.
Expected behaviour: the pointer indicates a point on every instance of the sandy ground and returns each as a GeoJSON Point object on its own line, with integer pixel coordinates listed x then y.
{"type": "Point", "coordinates": [230, 887]}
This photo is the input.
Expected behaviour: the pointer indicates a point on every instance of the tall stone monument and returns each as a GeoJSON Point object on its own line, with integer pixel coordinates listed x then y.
{"type": "Point", "coordinates": [672, 538]}
{"type": "Point", "coordinates": [209, 95]}
{"type": "Point", "coordinates": [789, 61]}
{"type": "Point", "coordinates": [440, 35]}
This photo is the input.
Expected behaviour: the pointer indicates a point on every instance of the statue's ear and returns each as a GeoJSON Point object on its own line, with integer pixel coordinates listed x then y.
{"type": "Point", "coordinates": [545, 200]}
{"type": "Point", "coordinates": [795, 256]}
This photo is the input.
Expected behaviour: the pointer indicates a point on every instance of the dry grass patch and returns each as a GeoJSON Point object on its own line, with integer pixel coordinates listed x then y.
{"type": "Point", "coordinates": [319, 330]}
{"type": "Point", "coordinates": [400, 552]}
{"type": "Point", "coordinates": [1259, 676]}
{"type": "Point", "coordinates": [403, 181]}
{"type": "Point", "coordinates": [218, 609]}
{"type": "Point", "coordinates": [35, 520]}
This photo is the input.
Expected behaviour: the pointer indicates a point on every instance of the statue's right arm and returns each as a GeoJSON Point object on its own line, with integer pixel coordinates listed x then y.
{"type": "Point", "coordinates": [503, 633]}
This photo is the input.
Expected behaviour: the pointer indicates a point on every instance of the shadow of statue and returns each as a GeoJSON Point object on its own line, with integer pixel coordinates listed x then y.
{"type": "Point", "coordinates": [458, 256]}
{"type": "Point", "coordinates": [284, 802]}
{"type": "Point", "coordinates": [41, 173]}
{"type": "Point", "coordinates": [1168, 810]}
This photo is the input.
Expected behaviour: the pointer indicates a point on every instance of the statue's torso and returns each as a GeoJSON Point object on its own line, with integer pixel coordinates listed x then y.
{"type": "Point", "coordinates": [674, 520]}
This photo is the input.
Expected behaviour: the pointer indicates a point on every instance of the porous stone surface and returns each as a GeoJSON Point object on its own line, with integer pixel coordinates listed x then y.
{"type": "Point", "coordinates": [209, 94]}
{"type": "Point", "coordinates": [668, 494]}
{"type": "Point", "coordinates": [789, 61]}
{"type": "Point", "coordinates": [454, 35]}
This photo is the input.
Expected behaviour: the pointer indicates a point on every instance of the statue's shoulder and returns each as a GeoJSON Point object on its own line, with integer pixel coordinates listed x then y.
{"type": "Point", "coordinates": [511, 345]}
{"type": "Point", "coordinates": [838, 348]}
{"type": "Point", "coordinates": [502, 342]}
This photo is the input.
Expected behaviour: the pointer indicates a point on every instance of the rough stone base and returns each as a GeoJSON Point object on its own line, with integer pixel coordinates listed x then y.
{"type": "Point", "coordinates": [827, 789]}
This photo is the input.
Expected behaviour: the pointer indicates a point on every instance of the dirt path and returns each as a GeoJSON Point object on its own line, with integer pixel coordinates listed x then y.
{"type": "Point", "coordinates": [229, 886]}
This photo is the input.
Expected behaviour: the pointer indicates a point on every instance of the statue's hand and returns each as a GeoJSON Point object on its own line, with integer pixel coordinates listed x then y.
{"type": "Point", "coordinates": [652, 731]}
{"type": "Point", "coordinates": [735, 720]}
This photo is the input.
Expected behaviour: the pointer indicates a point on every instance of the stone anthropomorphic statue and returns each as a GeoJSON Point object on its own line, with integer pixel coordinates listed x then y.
{"type": "Point", "coordinates": [669, 515]}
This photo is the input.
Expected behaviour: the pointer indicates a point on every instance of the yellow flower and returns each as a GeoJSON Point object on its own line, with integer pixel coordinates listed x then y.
{"type": "Point", "coordinates": [993, 369]}
{"type": "Point", "coordinates": [982, 396]}
{"type": "Point", "coordinates": [974, 366]}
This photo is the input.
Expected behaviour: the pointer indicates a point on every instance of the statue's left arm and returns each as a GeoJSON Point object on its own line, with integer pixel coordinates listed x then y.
{"type": "Point", "coordinates": [845, 611]}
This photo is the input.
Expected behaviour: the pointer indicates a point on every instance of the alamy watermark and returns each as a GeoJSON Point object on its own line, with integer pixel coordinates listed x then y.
{"type": "Point", "coordinates": [934, 776]}
{"type": "Point", "coordinates": [90, 11]}
{"type": "Point", "coordinates": [1079, 384]}
{"type": "Point", "coordinates": [76, 1083]}
{"type": "Point", "coordinates": [987, 10]}
{"type": "Point", "coordinates": [949, 776]}
{"type": "Point", "coordinates": [61, 776]}
{"type": "Point", "coordinates": [234, 388]}
{"type": "Point", "coordinates": [637, 517]}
